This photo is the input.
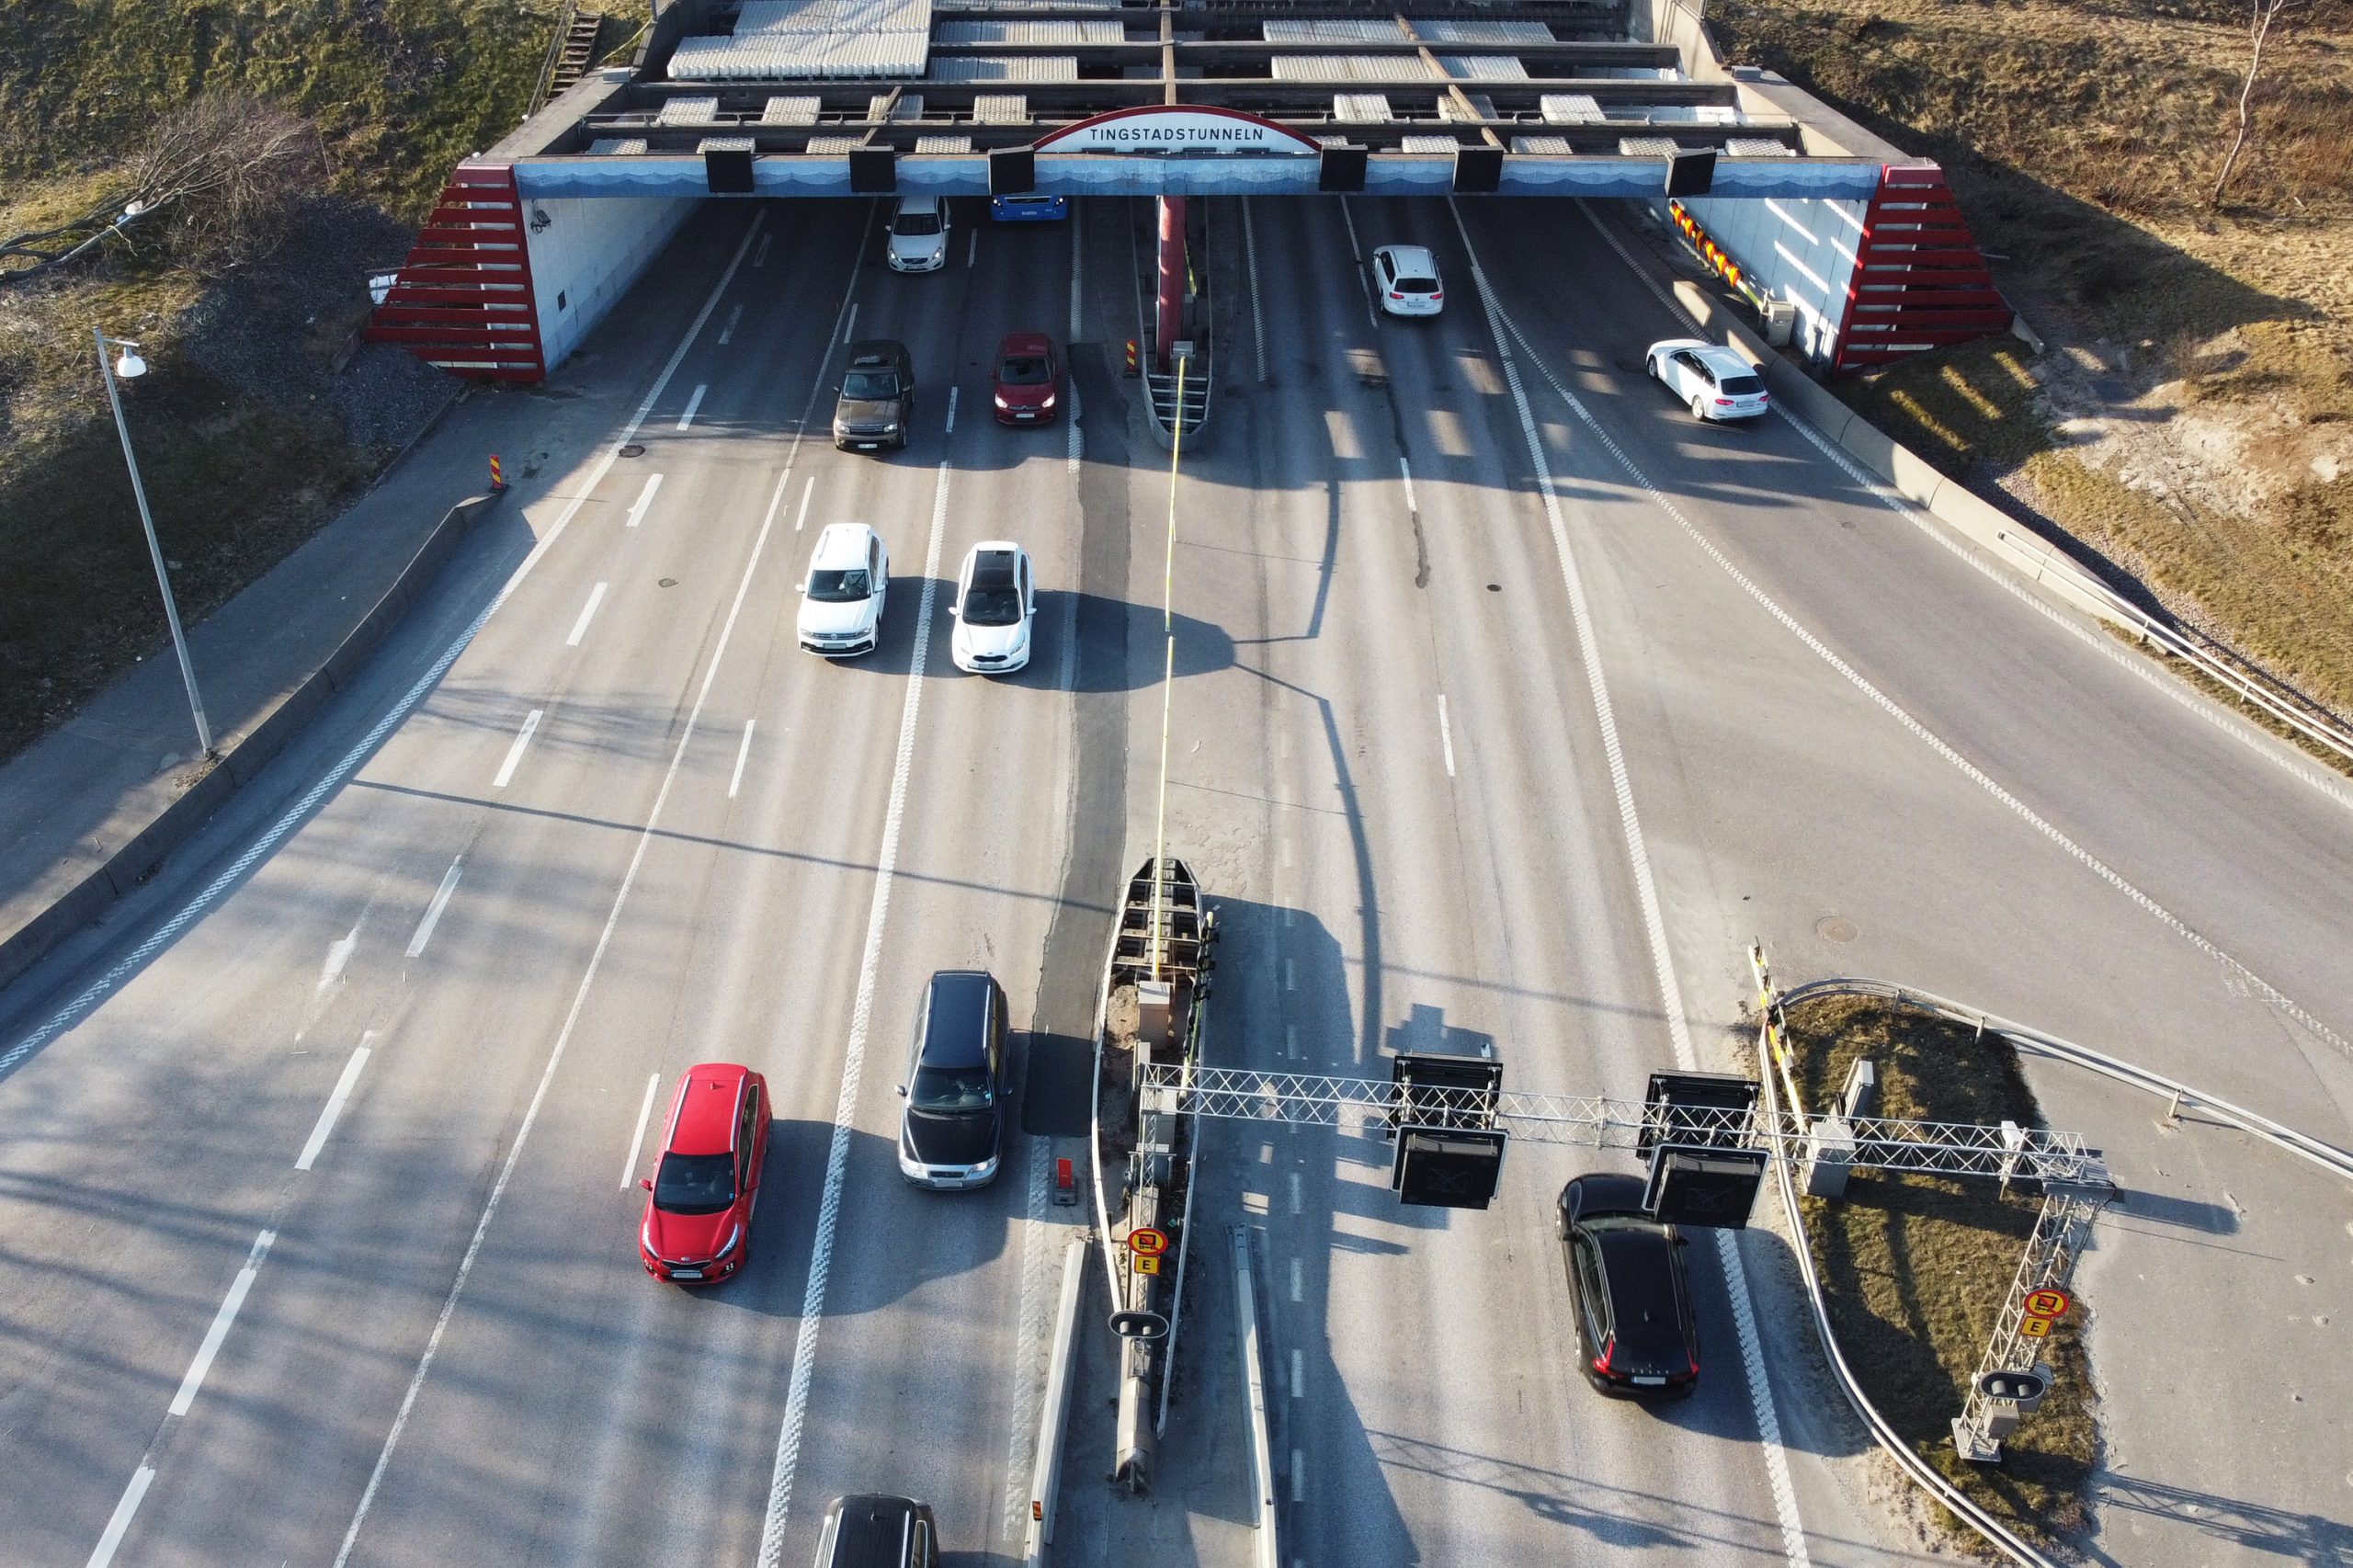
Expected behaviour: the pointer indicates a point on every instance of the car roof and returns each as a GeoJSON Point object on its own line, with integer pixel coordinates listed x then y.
{"type": "Point", "coordinates": [1024, 343]}
{"type": "Point", "coordinates": [1718, 357]}
{"type": "Point", "coordinates": [1410, 257]}
{"type": "Point", "coordinates": [1609, 1192]}
{"type": "Point", "coordinates": [870, 1531]}
{"type": "Point", "coordinates": [992, 566]}
{"type": "Point", "coordinates": [876, 351]}
{"type": "Point", "coordinates": [1637, 1269]}
{"type": "Point", "coordinates": [705, 1122]}
{"type": "Point", "coordinates": [918, 204]}
{"type": "Point", "coordinates": [955, 1033]}
{"type": "Point", "coordinates": [841, 544]}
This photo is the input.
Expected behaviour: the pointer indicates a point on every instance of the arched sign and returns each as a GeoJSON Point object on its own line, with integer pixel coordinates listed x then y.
{"type": "Point", "coordinates": [1182, 129]}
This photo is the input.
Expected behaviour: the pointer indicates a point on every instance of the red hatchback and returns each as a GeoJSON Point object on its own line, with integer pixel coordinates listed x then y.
{"type": "Point", "coordinates": [697, 1223]}
{"type": "Point", "coordinates": [1029, 383]}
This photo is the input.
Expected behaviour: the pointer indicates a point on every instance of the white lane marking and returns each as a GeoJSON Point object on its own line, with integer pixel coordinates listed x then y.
{"type": "Point", "coordinates": [1298, 1282]}
{"type": "Point", "coordinates": [1406, 470]}
{"type": "Point", "coordinates": [432, 917]}
{"type": "Point", "coordinates": [1364, 278]}
{"type": "Point", "coordinates": [1077, 237]}
{"type": "Point", "coordinates": [637, 1138]}
{"type": "Point", "coordinates": [829, 1205]}
{"type": "Point", "coordinates": [644, 499]}
{"type": "Point", "coordinates": [729, 330]}
{"type": "Point", "coordinates": [1936, 743]}
{"type": "Point", "coordinates": [515, 752]}
{"type": "Point", "coordinates": [555, 1053]}
{"type": "Point", "coordinates": [741, 752]}
{"type": "Point", "coordinates": [332, 1109]}
{"type": "Point", "coordinates": [1290, 1041]}
{"type": "Point", "coordinates": [221, 1322]}
{"type": "Point", "coordinates": [762, 259]}
{"type": "Point", "coordinates": [694, 402]}
{"type": "Point", "coordinates": [121, 1522]}
{"type": "Point", "coordinates": [1291, 975]}
{"type": "Point", "coordinates": [849, 326]}
{"type": "Point", "coordinates": [1077, 441]}
{"type": "Point", "coordinates": [1446, 734]}
{"type": "Point", "coordinates": [588, 613]}
{"type": "Point", "coordinates": [339, 953]}
{"type": "Point", "coordinates": [808, 488]}
{"type": "Point", "coordinates": [1257, 315]}
{"type": "Point", "coordinates": [99, 990]}
{"type": "Point", "coordinates": [1777, 1466]}
{"type": "Point", "coordinates": [1022, 1435]}
{"type": "Point", "coordinates": [951, 430]}
{"type": "Point", "coordinates": [1296, 1197]}
{"type": "Point", "coordinates": [973, 250]}
{"type": "Point", "coordinates": [1298, 1374]}
{"type": "Point", "coordinates": [1298, 1476]}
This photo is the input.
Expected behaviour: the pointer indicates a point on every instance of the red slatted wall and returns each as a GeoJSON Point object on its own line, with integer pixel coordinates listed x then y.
{"type": "Point", "coordinates": [462, 299]}
{"type": "Point", "coordinates": [1920, 281]}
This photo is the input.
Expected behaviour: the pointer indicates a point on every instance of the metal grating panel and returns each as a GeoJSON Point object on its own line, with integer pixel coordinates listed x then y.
{"type": "Point", "coordinates": [1484, 67]}
{"type": "Point", "coordinates": [907, 105]}
{"type": "Point", "coordinates": [1571, 108]}
{"type": "Point", "coordinates": [727, 145]}
{"type": "Point", "coordinates": [941, 146]}
{"type": "Point", "coordinates": [791, 111]}
{"type": "Point", "coordinates": [1482, 107]}
{"type": "Point", "coordinates": [1429, 144]}
{"type": "Point", "coordinates": [1756, 147]}
{"type": "Point", "coordinates": [688, 111]}
{"type": "Point", "coordinates": [1345, 68]}
{"type": "Point", "coordinates": [1439, 29]}
{"type": "Point", "coordinates": [1005, 68]}
{"type": "Point", "coordinates": [1001, 108]}
{"type": "Point", "coordinates": [1541, 146]}
{"type": "Point", "coordinates": [1361, 109]}
{"type": "Point", "coordinates": [1337, 31]}
{"type": "Point", "coordinates": [836, 144]}
{"type": "Point", "coordinates": [1647, 147]}
{"type": "Point", "coordinates": [798, 39]}
{"type": "Point", "coordinates": [1022, 30]}
{"type": "Point", "coordinates": [616, 146]}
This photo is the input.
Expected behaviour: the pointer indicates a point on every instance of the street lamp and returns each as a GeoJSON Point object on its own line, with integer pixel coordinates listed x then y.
{"type": "Point", "coordinates": [130, 367]}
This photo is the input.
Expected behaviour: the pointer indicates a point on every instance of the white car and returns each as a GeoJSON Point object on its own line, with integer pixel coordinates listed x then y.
{"type": "Point", "coordinates": [919, 234]}
{"type": "Point", "coordinates": [1405, 279]}
{"type": "Point", "coordinates": [1715, 383]}
{"type": "Point", "coordinates": [841, 599]}
{"type": "Point", "coordinates": [996, 598]}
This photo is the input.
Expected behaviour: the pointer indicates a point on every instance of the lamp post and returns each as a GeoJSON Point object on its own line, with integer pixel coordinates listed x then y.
{"type": "Point", "coordinates": [130, 367]}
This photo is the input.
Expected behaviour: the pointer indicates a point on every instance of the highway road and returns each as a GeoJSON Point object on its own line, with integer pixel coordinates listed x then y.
{"type": "Point", "coordinates": [1510, 706]}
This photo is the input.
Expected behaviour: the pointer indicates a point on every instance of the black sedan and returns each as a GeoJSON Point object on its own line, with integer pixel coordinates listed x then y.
{"type": "Point", "coordinates": [1635, 1328]}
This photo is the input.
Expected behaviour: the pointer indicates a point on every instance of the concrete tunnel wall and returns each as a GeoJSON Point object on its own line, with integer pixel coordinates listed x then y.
{"type": "Point", "coordinates": [586, 253]}
{"type": "Point", "coordinates": [1796, 248]}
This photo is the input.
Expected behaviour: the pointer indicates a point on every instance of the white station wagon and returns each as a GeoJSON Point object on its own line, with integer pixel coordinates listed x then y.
{"type": "Point", "coordinates": [1711, 381]}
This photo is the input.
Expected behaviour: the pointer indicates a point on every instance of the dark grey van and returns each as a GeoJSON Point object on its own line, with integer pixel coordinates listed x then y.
{"type": "Point", "coordinates": [878, 397]}
{"type": "Point", "coordinates": [949, 1133]}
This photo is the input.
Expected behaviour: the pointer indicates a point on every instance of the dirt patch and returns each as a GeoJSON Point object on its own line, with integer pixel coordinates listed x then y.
{"type": "Point", "coordinates": [1917, 1268]}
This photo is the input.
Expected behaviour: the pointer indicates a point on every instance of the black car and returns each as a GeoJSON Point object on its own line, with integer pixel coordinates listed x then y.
{"type": "Point", "coordinates": [869, 1530]}
{"type": "Point", "coordinates": [878, 397]}
{"type": "Point", "coordinates": [955, 1087]}
{"type": "Point", "coordinates": [1635, 1328]}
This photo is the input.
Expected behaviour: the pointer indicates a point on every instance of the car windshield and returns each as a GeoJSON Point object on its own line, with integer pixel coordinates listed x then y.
{"type": "Point", "coordinates": [1418, 285]}
{"type": "Point", "coordinates": [695, 1183]}
{"type": "Point", "coordinates": [914, 225]}
{"type": "Point", "coordinates": [949, 1091]}
{"type": "Point", "coordinates": [1740, 386]}
{"type": "Point", "coordinates": [992, 606]}
{"type": "Point", "coordinates": [1023, 370]}
{"type": "Point", "coordinates": [840, 588]}
{"type": "Point", "coordinates": [871, 386]}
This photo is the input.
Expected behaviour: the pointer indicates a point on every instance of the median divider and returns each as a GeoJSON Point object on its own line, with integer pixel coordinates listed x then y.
{"type": "Point", "coordinates": [1267, 1552]}
{"type": "Point", "coordinates": [1046, 1467]}
{"type": "Point", "coordinates": [176, 823]}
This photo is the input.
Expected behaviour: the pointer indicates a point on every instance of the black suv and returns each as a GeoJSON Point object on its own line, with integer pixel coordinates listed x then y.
{"type": "Point", "coordinates": [1635, 1330]}
{"type": "Point", "coordinates": [869, 1530]}
{"type": "Point", "coordinates": [878, 397]}
{"type": "Point", "coordinates": [955, 1083]}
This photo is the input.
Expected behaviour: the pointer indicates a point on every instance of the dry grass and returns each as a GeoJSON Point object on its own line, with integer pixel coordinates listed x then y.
{"type": "Point", "coordinates": [2199, 434]}
{"type": "Point", "coordinates": [1916, 1268]}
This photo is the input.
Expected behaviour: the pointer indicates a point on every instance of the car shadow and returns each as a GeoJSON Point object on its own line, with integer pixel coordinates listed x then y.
{"type": "Point", "coordinates": [1097, 660]}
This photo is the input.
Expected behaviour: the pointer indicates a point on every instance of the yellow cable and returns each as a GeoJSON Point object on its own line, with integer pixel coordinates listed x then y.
{"type": "Point", "coordinates": [1168, 680]}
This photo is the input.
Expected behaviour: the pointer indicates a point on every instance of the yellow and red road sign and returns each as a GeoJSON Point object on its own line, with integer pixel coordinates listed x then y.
{"type": "Point", "coordinates": [1146, 1241]}
{"type": "Point", "coordinates": [2048, 1303]}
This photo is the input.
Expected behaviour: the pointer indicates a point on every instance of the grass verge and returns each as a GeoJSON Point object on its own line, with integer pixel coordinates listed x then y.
{"type": "Point", "coordinates": [1916, 1268]}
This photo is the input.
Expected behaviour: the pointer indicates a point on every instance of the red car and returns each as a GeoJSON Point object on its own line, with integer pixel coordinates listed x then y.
{"type": "Point", "coordinates": [1029, 383]}
{"type": "Point", "coordinates": [697, 1223]}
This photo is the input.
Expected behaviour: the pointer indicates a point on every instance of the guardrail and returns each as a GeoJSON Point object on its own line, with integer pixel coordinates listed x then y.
{"type": "Point", "coordinates": [2327, 1156]}
{"type": "Point", "coordinates": [1046, 1466]}
{"type": "Point", "coordinates": [1980, 522]}
{"type": "Point", "coordinates": [1269, 1551]}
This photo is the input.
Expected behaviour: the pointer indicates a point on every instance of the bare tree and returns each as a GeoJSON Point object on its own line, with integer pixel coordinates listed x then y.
{"type": "Point", "coordinates": [2264, 16]}
{"type": "Point", "coordinates": [219, 177]}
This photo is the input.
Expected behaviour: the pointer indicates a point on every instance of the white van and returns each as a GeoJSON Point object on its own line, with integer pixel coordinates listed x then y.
{"type": "Point", "coordinates": [919, 234]}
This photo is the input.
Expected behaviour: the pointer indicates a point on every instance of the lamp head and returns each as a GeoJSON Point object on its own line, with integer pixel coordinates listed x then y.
{"type": "Point", "coordinates": [129, 365]}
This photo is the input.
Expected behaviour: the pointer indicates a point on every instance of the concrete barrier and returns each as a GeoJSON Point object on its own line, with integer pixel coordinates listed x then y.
{"type": "Point", "coordinates": [176, 823]}
{"type": "Point", "coordinates": [1966, 514]}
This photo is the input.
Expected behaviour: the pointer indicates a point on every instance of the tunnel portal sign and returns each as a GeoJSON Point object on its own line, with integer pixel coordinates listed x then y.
{"type": "Point", "coordinates": [1178, 128]}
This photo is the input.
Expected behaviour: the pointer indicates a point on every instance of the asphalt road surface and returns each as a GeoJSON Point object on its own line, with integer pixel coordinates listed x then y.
{"type": "Point", "coordinates": [1510, 705]}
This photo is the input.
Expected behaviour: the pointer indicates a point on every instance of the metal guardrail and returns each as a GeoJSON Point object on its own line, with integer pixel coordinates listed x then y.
{"type": "Point", "coordinates": [1269, 1551]}
{"type": "Point", "coordinates": [1046, 1465]}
